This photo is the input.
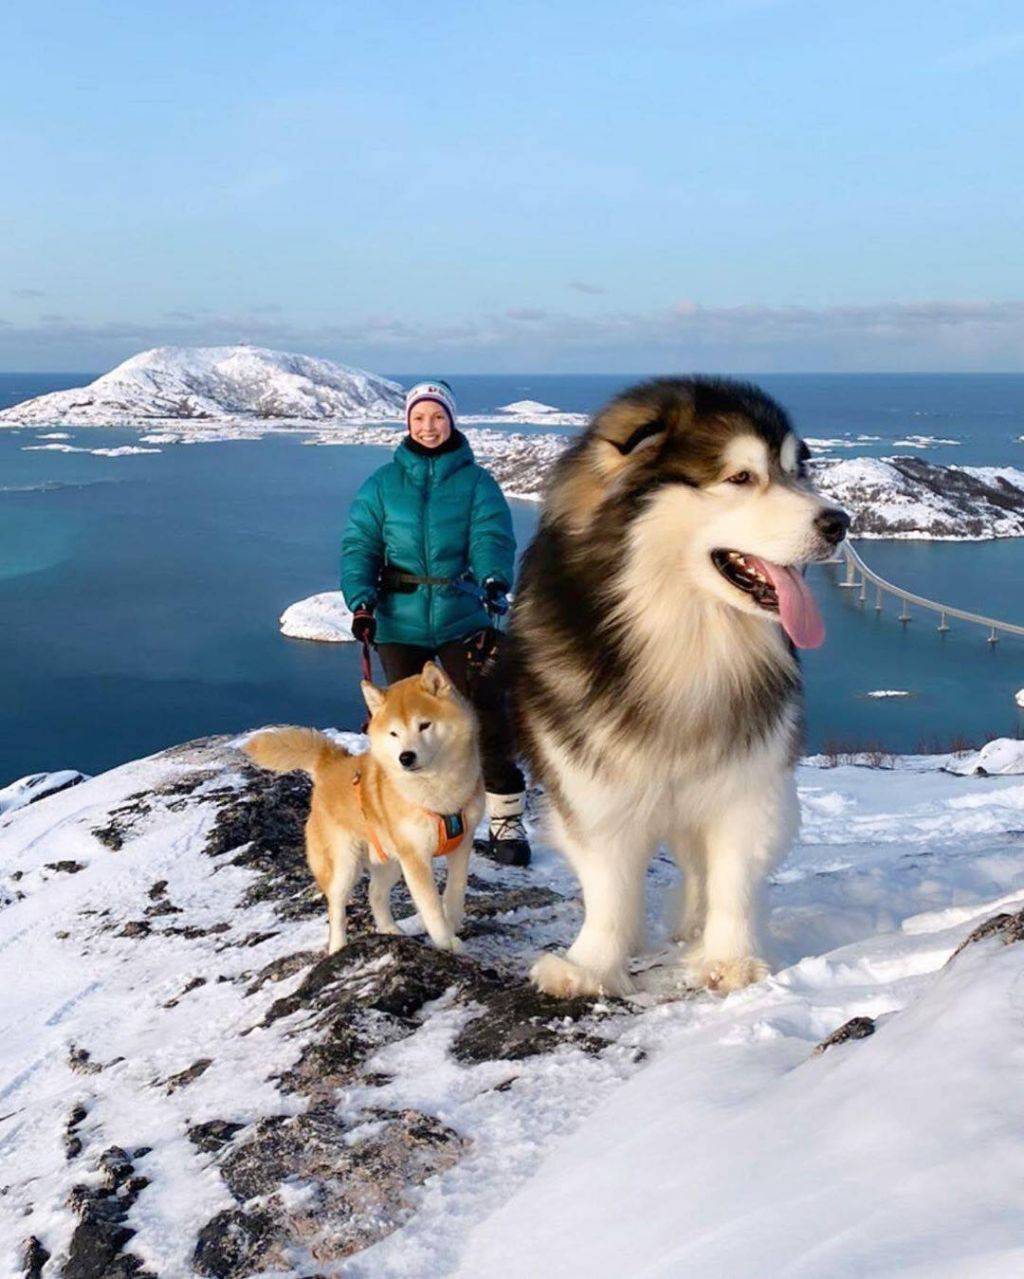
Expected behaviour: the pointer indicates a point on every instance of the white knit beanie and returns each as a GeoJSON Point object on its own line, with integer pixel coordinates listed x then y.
{"type": "Point", "coordinates": [438, 391]}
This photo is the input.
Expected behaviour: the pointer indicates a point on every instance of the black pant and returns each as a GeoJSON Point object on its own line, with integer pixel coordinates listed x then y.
{"type": "Point", "coordinates": [497, 747]}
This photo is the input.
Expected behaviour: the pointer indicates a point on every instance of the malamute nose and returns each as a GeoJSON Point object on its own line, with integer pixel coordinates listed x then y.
{"type": "Point", "coordinates": [407, 759]}
{"type": "Point", "coordinates": [832, 524]}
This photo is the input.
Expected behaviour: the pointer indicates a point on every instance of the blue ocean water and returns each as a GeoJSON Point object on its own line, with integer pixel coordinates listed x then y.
{"type": "Point", "coordinates": [139, 595]}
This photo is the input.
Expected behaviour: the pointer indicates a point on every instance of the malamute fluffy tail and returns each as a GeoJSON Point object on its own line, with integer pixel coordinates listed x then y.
{"type": "Point", "coordinates": [284, 749]}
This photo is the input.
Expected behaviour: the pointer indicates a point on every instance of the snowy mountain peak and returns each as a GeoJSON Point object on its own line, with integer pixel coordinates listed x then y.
{"type": "Point", "coordinates": [215, 382]}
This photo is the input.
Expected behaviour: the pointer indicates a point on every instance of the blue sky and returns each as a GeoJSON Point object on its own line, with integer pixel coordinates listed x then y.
{"type": "Point", "coordinates": [741, 185]}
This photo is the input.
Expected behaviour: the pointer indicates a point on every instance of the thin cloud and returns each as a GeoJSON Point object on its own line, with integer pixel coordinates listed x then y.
{"type": "Point", "coordinates": [581, 286]}
{"type": "Point", "coordinates": [938, 334]}
{"type": "Point", "coordinates": [27, 293]}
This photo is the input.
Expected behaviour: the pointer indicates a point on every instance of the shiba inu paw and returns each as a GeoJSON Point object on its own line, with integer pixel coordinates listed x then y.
{"type": "Point", "coordinates": [451, 944]}
{"type": "Point", "coordinates": [724, 975]}
{"type": "Point", "coordinates": [555, 975]}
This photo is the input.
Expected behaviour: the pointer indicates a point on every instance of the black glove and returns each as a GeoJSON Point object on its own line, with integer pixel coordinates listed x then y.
{"type": "Point", "coordinates": [495, 595]}
{"type": "Point", "coordinates": [364, 624]}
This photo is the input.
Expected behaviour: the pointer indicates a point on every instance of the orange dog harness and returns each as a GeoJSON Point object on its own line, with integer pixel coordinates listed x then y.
{"type": "Point", "coordinates": [451, 827]}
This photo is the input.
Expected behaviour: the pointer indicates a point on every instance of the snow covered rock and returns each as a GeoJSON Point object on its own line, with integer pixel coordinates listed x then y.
{"type": "Point", "coordinates": [213, 382]}
{"type": "Point", "coordinates": [196, 1039]}
{"type": "Point", "coordinates": [735, 1154]}
{"type": "Point", "coordinates": [532, 407]}
{"type": "Point", "coordinates": [26, 790]}
{"type": "Point", "coordinates": [532, 412]}
{"type": "Point", "coordinates": [1004, 755]}
{"type": "Point", "coordinates": [1018, 697]}
{"type": "Point", "coordinates": [227, 1100]}
{"type": "Point", "coordinates": [319, 617]}
{"type": "Point", "coordinates": [907, 497]}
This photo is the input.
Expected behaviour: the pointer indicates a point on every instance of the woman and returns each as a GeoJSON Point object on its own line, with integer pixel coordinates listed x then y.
{"type": "Point", "coordinates": [427, 549]}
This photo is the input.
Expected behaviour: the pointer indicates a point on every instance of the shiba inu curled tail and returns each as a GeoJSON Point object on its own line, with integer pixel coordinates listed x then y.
{"type": "Point", "coordinates": [415, 795]}
{"type": "Point", "coordinates": [284, 749]}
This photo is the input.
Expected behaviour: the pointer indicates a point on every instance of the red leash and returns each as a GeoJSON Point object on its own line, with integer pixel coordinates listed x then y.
{"type": "Point", "coordinates": [366, 658]}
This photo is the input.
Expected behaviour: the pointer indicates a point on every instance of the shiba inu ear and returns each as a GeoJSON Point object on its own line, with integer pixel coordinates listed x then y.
{"type": "Point", "coordinates": [373, 695]}
{"type": "Point", "coordinates": [434, 681]}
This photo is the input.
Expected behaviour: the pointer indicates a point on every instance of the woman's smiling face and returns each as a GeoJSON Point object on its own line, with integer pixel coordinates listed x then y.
{"type": "Point", "coordinates": [429, 423]}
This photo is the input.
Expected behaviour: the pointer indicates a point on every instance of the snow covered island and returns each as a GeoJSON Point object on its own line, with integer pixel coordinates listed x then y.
{"type": "Point", "coordinates": [197, 394]}
{"type": "Point", "coordinates": [907, 497]}
{"type": "Point", "coordinates": [190, 1087]}
{"type": "Point", "coordinates": [319, 617]}
{"type": "Point", "coordinates": [214, 383]}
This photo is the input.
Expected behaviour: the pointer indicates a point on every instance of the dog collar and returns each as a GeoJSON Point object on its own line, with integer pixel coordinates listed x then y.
{"type": "Point", "coordinates": [451, 827]}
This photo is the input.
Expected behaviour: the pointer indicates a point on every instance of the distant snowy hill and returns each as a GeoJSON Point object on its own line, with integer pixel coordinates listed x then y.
{"type": "Point", "coordinates": [189, 1086]}
{"type": "Point", "coordinates": [215, 382]}
{"type": "Point", "coordinates": [907, 497]}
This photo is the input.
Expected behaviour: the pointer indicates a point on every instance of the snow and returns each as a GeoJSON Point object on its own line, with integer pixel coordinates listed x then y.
{"type": "Point", "coordinates": [198, 395]}
{"type": "Point", "coordinates": [27, 790]}
{"type": "Point", "coordinates": [888, 692]}
{"type": "Point", "coordinates": [320, 617]}
{"type": "Point", "coordinates": [121, 450]}
{"type": "Point", "coordinates": [911, 498]}
{"type": "Point", "coordinates": [1003, 756]}
{"type": "Point", "coordinates": [708, 1139]}
{"type": "Point", "coordinates": [738, 1153]}
{"type": "Point", "coordinates": [530, 411]}
{"type": "Point", "coordinates": [203, 383]}
{"type": "Point", "coordinates": [1018, 697]}
{"type": "Point", "coordinates": [532, 407]}
{"type": "Point", "coordinates": [922, 442]}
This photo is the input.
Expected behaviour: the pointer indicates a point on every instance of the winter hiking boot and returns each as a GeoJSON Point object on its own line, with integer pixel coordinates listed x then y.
{"type": "Point", "coordinates": [506, 840]}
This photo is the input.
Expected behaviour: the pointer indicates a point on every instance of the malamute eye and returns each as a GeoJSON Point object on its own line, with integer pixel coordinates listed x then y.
{"type": "Point", "coordinates": [741, 477]}
{"type": "Point", "coordinates": [425, 725]}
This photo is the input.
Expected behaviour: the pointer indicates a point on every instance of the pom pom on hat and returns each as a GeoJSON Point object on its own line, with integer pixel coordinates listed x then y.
{"type": "Point", "coordinates": [438, 391]}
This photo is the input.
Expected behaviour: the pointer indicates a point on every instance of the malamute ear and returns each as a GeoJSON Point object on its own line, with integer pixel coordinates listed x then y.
{"type": "Point", "coordinates": [433, 680]}
{"type": "Point", "coordinates": [630, 430]}
{"type": "Point", "coordinates": [373, 695]}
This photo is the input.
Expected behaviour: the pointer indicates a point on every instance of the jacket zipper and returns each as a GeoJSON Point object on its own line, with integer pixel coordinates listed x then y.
{"type": "Point", "coordinates": [426, 542]}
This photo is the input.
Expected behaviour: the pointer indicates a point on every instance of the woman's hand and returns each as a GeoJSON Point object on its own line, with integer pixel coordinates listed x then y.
{"type": "Point", "coordinates": [496, 595]}
{"type": "Point", "coordinates": [364, 625]}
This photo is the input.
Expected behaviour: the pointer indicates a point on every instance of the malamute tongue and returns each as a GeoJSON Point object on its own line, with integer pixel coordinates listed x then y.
{"type": "Point", "coordinates": [798, 610]}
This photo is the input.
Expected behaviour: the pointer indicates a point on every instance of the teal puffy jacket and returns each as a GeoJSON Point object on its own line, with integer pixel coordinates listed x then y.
{"type": "Point", "coordinates": [433, 516]}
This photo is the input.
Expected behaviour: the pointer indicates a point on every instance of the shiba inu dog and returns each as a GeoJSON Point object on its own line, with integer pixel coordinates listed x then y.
{"type": "Point", "coordinates": [657, 688]}
{"type": "Point", "coordinates": [415, 795]}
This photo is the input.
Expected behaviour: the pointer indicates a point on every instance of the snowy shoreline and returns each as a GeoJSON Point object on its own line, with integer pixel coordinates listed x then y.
{"type": "Point", "coordinates": [894, 498]}
{"type": "Point", "coordinates": [211, 394]}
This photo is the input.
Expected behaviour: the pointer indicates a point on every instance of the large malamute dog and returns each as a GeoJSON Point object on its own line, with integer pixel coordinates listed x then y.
{"type": "Point", "coordinates": [658, 692]}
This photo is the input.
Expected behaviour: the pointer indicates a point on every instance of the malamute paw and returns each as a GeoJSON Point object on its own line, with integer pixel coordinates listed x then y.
{"type": "Point", "coordinates": [557, 976]}
{"type": "Point", "coordinates": [687, 934]}
{"type": "Point", "coordinates": [724, 975]}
